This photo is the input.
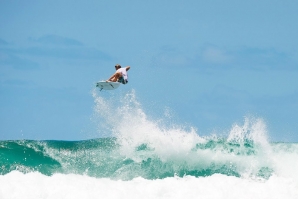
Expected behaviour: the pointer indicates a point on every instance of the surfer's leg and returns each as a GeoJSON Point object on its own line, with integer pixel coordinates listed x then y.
{"type": "Point", "coordinates": [116, 77]}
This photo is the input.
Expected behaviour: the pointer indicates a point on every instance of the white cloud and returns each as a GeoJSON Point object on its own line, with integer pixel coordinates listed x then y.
{"type": "Point", "coordinates": [57, 40]}
{"type": "Point", "coordinates": [216, 56]}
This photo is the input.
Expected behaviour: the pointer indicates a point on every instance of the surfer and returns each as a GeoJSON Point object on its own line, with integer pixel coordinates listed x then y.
{"type": "Point", "coordinates": [120, 75]}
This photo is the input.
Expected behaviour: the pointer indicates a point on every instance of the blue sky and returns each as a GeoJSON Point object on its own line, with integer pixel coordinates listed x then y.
{"type": "Point", "coordinates": [210, 62]}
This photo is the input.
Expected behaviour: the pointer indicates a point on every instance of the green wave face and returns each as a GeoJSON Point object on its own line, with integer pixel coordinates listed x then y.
{"type": "Point", "coordinates": [26, 156]}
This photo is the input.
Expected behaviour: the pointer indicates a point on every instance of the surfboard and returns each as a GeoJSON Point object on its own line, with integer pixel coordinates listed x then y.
{"type": "Point", "coordinates": [103, 85]}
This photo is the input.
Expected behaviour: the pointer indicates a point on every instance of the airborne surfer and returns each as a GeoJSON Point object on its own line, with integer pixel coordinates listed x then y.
{"type": "Point", "coordinates": [120, 75]}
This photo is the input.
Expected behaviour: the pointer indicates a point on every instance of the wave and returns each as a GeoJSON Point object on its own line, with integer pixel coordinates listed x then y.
{"type": "Point", "coordinates": [153, 149]}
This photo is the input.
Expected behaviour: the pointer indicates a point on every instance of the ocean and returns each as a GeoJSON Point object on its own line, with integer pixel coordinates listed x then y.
{"type": "Point", "coordinates": [145, 157]}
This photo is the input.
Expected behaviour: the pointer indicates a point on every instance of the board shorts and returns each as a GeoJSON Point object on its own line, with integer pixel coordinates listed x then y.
{"type": "Point", "coordinates": [122, 80]}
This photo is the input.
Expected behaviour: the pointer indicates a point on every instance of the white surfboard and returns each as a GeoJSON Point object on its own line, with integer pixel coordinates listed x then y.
{"type": "Point", "coordinates": [103, 85]}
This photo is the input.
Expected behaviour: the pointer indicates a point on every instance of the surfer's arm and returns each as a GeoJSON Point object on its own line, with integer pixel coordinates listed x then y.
{"type": "Point", "coordinates": [127, 68]}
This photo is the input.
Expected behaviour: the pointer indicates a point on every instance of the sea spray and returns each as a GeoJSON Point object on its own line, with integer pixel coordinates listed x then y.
{"type": "Point", "coordinates": [157, 151]}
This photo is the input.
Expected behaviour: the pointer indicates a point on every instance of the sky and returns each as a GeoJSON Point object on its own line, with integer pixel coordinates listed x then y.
{"type": "Point", "coordinates": [211, 63]}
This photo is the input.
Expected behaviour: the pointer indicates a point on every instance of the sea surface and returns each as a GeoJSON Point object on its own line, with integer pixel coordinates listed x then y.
{"type": "Point", "coordinates": [147, 158]}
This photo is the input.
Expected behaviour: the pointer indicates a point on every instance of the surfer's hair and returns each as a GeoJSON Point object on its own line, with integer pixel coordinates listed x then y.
{"type": "Point", "coordinates": [117, 66]}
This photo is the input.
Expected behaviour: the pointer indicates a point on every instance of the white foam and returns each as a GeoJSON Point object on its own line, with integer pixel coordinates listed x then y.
{"type": "Point", "coordinates": [16, 185]}
{"type": "Point", "coordinates": [285, 160]}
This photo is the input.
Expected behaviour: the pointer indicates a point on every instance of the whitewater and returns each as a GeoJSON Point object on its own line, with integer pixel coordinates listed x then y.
{"type": "Point", "coordinates": [138, 156]}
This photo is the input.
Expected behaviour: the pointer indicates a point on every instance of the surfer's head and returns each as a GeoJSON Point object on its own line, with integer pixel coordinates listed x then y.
{"type": "Point", "coordinates": [117, 66]}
